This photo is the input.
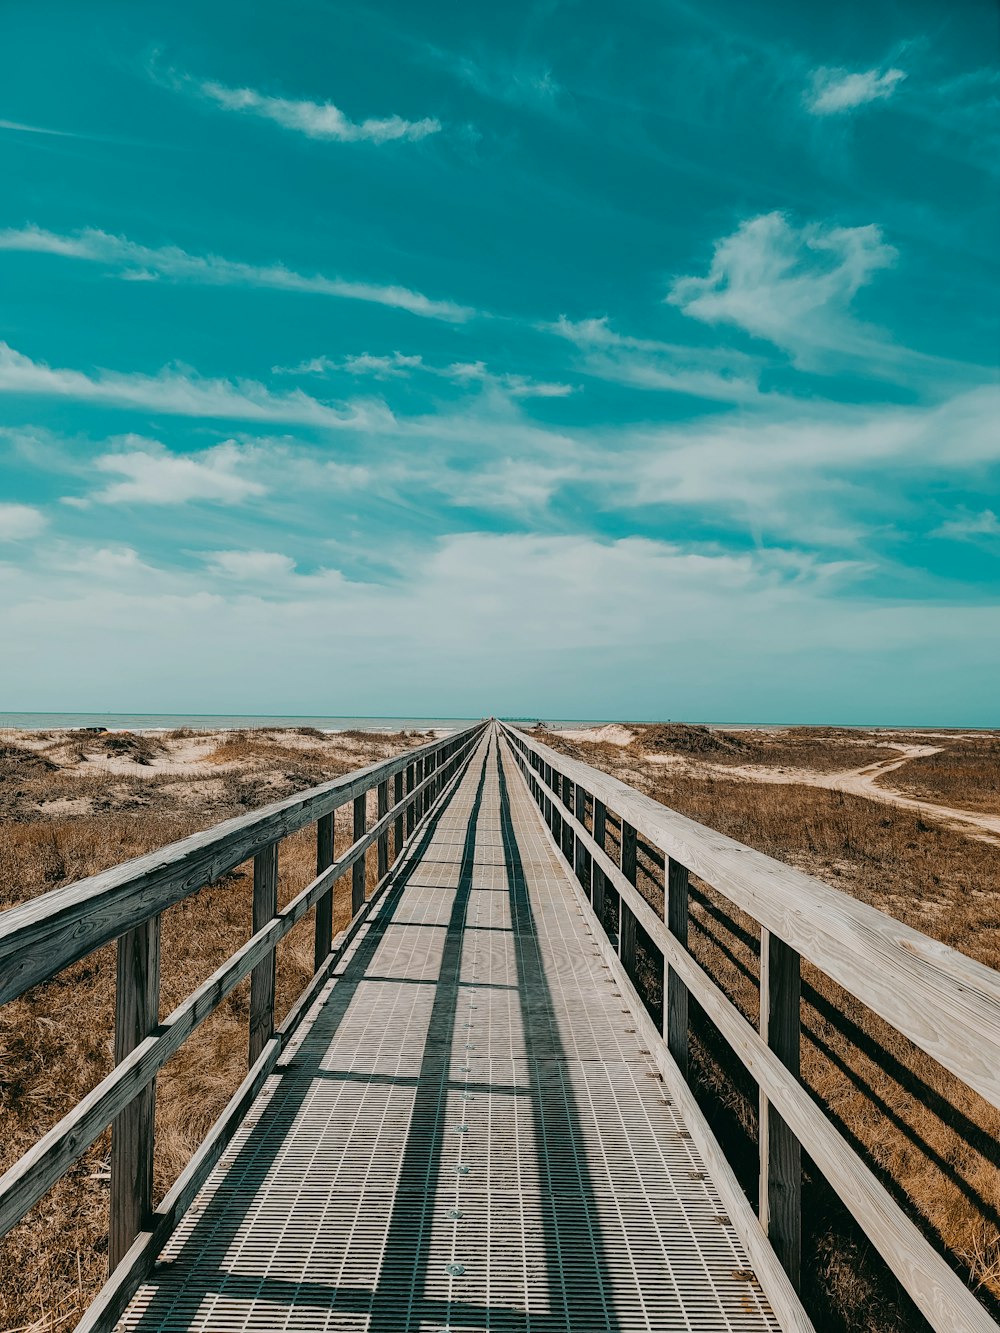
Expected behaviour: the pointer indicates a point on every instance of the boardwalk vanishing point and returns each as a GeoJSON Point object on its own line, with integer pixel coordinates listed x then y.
{"type": "Point", "coordinates": [470, 1120]}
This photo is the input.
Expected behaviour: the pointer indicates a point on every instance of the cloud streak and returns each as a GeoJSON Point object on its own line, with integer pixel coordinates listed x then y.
{"type": "Point", "coordinates": [170, 262]}
{"type": "Point", "coordinates": [646, 363]}
{"type": "Point", "coordinates": [835, 91]}
{"type": "Point", "coordinates": [177, 392]}
{"type": "Point", "coordinates": [396, 365]}
{"type": "Point", "coordinates": [317, 120]}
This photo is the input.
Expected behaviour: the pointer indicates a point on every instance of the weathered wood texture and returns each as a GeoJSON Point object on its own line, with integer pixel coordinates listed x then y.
{"type": "Point", "coordinates": [262, 978]}
{"type": "Point", "coordinates": [358, 872]}
{"type": "Point", "coordinates": [675, 1008]}
{"type": "Point", "coordinates": [137, 1012]}
{"type": "Point", "coordinates": [780, 1203]}
{"type": "Point", "coordinates": [946, 1003]}
{"type": "Point", "coordinates": [324, 907]}
{"type": "Point", "coordinates": [41, 937]}
{"type": "Point", "coordinates": [935, 1288]}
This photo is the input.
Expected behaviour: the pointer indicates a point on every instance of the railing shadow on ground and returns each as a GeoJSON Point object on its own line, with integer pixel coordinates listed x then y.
{"type": "Point", "coordinates": [405, 1256]}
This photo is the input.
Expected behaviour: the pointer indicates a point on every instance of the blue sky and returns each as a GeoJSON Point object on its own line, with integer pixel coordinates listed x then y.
{"type": "Point", "coordinates": [534, 359]}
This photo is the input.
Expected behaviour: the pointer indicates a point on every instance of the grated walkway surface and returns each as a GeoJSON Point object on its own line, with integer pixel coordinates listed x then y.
{"type": "Point", "coordinates": [466, 1136]}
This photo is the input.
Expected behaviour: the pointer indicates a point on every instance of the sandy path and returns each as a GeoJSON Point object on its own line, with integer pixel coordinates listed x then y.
{"type": "Point", "coordinates": [862, 782]}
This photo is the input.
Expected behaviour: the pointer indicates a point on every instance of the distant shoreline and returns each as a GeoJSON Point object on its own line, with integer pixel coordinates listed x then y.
{"type": "Point", "coordinates": [154, 722]}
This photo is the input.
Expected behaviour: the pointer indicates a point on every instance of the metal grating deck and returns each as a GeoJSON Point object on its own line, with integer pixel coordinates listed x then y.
{"type": "Point", "coordinates": [466, 1134]}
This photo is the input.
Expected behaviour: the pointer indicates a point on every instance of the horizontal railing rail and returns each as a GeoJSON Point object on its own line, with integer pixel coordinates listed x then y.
{"type": "Point", "coordinates": [41, 937]}
{"type": "Point", "coordinates": [947, 1004]}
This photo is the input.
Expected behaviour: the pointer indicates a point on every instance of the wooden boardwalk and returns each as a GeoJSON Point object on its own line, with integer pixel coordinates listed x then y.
{"type": "Point", "coordinates": [477, 1114]}
{"type": "Point", "coordinates": [465, 1133]}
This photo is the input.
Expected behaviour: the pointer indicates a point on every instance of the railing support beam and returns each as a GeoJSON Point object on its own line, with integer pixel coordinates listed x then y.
{"type": "Point", "coordinates": [780, 1189]}
{"type": "Point", "coordinates": [358, 869]}
{"type": "Point", "coordinates": [265, 906]}
{"type": "Point", "coordinates": [137, 1012]}
{"type": "Point", "coordinates": [324, 908]}
{"type": "Point", "coordinates": [675, 999]}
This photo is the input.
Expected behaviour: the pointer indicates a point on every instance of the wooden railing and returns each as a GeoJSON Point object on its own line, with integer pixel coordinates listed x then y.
{"type": "Point", "coordinates": [41, 937]}
{"type": "Point", "coordinates": [945, 1003]}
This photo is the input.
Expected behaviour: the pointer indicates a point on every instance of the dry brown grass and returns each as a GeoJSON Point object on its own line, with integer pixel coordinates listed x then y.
{"type": "Point", "coordinates": [932, 1141]}
{"type": "Point", "coordinates": [817, 749]}
{"type": "Point", "coordinates": [964, 774]}
{"type": "Point", "coordinates": [56, 1040]}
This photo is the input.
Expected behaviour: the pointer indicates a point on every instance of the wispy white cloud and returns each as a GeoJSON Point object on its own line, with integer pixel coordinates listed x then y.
{"type": "Point", "coordinates": [136, 261]}
{"type": "Point", "coordinates": [969, 526]}
{"type": "Point", "coordinates": [837, 90]}
{"type": "Point", "coordinates": [518, 386]}
{"type": "Point", "coordinates": [21, 128]}
{"type": "Point", "coordinates": [251, 566]}
{"type": "Point", "coordinates": [18, 521]}
{"type": "Point", "coordinates": [316, 120]}
{"type": "Point", "coordinates": [179, 392]}
{"type": "Point", "coordinates": [790, 285]}
{"type": "Point", "coordinates": [397, 365]}
{"type": "Point", "coordinates": [154, 475]}
{"type": "Point", "coordinates": [820, 475]}
{"type": "Point", "coordinates": [646, 363]}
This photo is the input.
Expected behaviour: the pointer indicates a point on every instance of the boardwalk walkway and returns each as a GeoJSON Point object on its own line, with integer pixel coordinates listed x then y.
{"type": "Point", "coordinates": [466, 1134]}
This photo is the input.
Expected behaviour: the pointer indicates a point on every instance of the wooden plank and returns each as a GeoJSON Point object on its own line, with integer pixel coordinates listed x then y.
{"type": "Point", "coordinates": [946, 1003]}
{"type": "Point", "coordinates": [41, 937]}
{"type": "Point", "coordinates": [383, 838]}
{"type": "Point", "coordinates": [324, 908]}
{"type": "Point", "coordinates": [675, 1009]}
{"type": "Point", "coordinates": [398, 835]}
{"type": "Point", "coordinates": [265, 908]}
{"type": "Point", "coordinates": [780, 1189]}
{"type": "Point", "coordinates": [137, 1012]}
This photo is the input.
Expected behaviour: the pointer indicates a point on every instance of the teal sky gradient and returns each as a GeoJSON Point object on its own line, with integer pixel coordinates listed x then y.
{"type": "Point", "coordinates": [534, 359]}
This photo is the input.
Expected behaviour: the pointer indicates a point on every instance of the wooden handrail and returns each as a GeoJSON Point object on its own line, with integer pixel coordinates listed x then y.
{"type": "Point", "coordinates": [799, 916]}
{"type": "Point", "coordinates": [46, 934]}
{"type": "Point", "coordinates": [145, 886]}
{"type": "Point", "coordinates": [947, 1003]}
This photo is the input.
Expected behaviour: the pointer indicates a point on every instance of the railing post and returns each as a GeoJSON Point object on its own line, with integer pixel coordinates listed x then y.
{"type": "Point", "coordinates": [626, 920]}
{"type": "Point", "coordinates": [419, 803]}
{"type": "Point", "coordinates": [397, 796]}
{"type": "Point", "coordinates": [675, 999]}
{"type": "Point", "coordinates": [582, 858]}
{"type": "Point", "coordinates": [597, 885]}
{"type": "Point", "coordinates": [411, 813]}
{"type": "Point", "coordinates": [557, 832]}
{"type": "Point", "coordinates": [568, 835]}
{"type": "Point", "coordinates": [780, 1189]}
{"type": "Point", "coordinates": [265, 905]}
{"type": "Point", "coordinates": [137, 1012]}
{"type": "Point", "coordinates": [358, 869]}
{"type": "Point", "coordinates": [324, 908]}
{"type": "Point", "coordinates": [383, 837]}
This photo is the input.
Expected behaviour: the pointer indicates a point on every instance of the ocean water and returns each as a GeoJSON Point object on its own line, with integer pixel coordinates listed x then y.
{"type": "Point", "coordinates": [239, 722]}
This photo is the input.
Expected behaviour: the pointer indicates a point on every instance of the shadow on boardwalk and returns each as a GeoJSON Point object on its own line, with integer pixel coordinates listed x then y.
{"type": "Point", "coordinates": [571, 1294]}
